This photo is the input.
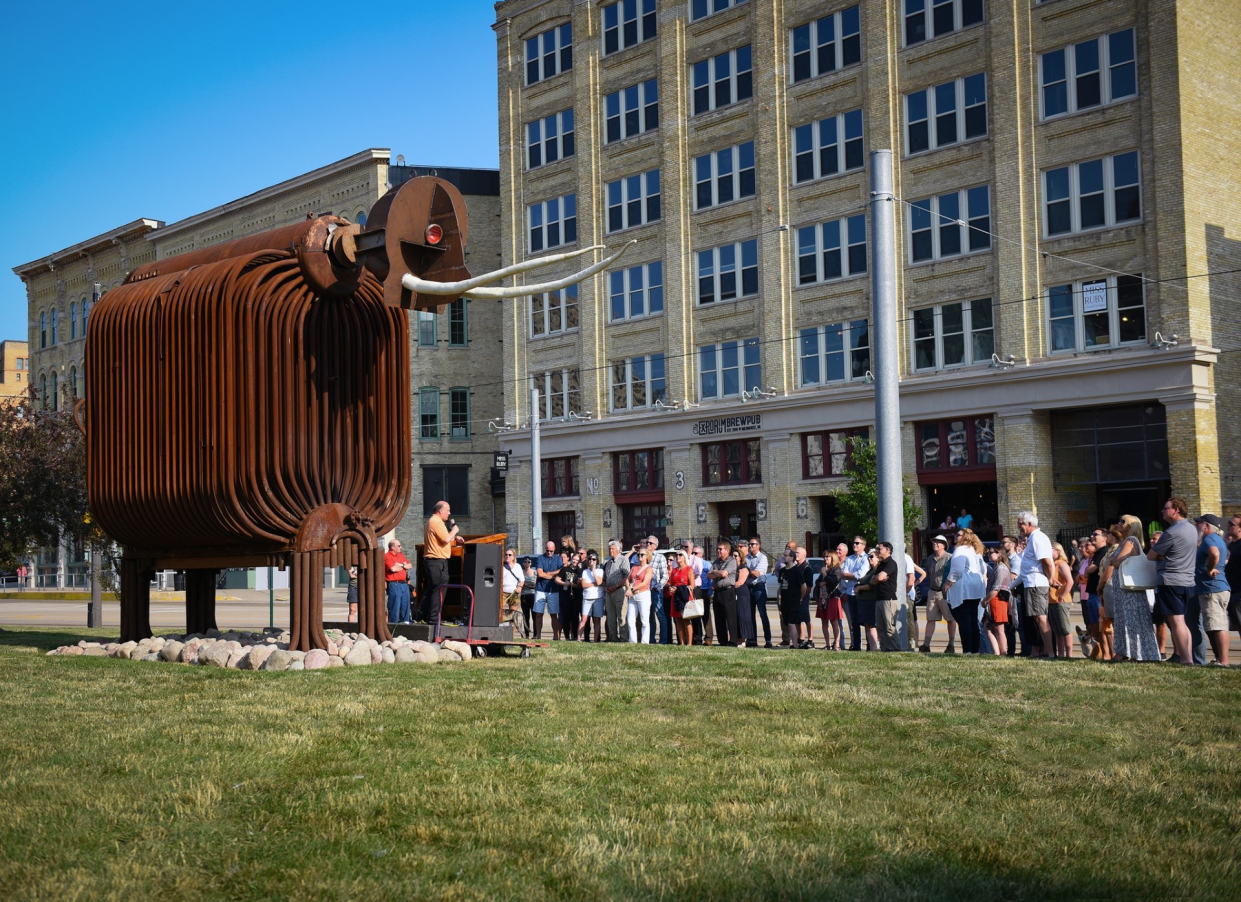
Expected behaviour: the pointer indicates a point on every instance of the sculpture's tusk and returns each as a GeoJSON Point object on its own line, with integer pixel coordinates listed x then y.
{"type": "Point", "coordinates": [423, 286]}
{"type": "Point", "coordinates": [519, 291]}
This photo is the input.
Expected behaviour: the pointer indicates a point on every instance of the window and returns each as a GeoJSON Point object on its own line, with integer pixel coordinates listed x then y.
{"type": "Point", "coordinates": [956, 445]}
{"type": "Point", "coordinates": [957, 110]}
{"type": "Point", "coordinates": [560, 393]}
{"type": "Point", "coordinates": [550, 139]}
{"type": "Point", "coordinates": [1091, 195]}
{"type": "Point", "coordinates": [562, 523]}
{"type": "Point", "coordinates": [937, 228]}
{"type": "Point", "coordinates": [55, 392]}
{"type": "Point", "coordinates": [1099, 313]}
{"type": "Point", "coordinates": [559, 477]}
{"type": "Point", "coordinates": [638, 382]}
{"type": "Point", "coordinates": [732, 463]}
{"type": "Point", "coordinates": [43, 391]}
{"type": "Point", "coordinates": [85, 310]}
{"type": "Point", "coordinates": [451, 484]}
{"type": "Point", "coordinates": [73, 320]}
{"type": "Point", "coordinates": [553, 312]}
{"type": "Point", "coordinates": [73, 382]}
{"type": "Point", "coordinates": [957, 334]}
{"type": "Point", "coordinates": [724, 176]}
{"type": "Point", "coordinates": [626, 23]}
{"type": "Point", "coordinates": [831, 250]}
{"type": "Point", "coordinates": [947, 16]}
{"type": "Point", "coordinates": [459, 414]}
{"type": "Point", "coordinates": [43, 329]}
{"type": "Point", "coordinates": [700, 9]}
{"type": "Point", "coordinates": [638, 471]}
{"type": "Point", "coordinates": [633, 201]}
{"type": "Point", "coordinates": [729, 272]}
{"type": "Point", "coordinates": [837, 352]}
{"type": "Point", "coordinates": [549, 53]}
{"type": "Point", "coordinates": [426, 328]}
{"type": "Point", "coordinates": [429, 414]}
{"type": "Point", "coordinates": [553, 223]}
{"type": "Point", "coordinates": [724, 79]}
{"type": "Point", "coordinates": [1089, 74]}
{"type": "Point", "coordinates": [55, 330]}
{"type": "Point", "coordinates": [826, 45]}
{"type": "Point", "coordinates": [631, 111]}
{"type": "Point", "coordinates": [726, 370]}
{"type": "Point", "coordinates": [825, 454]}
{"type": "Point", "coordinates": [457, 333]}
{"type": "Point", "coordinates": [828, 147]}
{"type": "Point", "coordinates": [636, 291]}
{"type": "Point", "coordinates": [1110, 444]}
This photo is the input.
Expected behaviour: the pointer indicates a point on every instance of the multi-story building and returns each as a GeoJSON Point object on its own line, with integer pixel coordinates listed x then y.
{"type": "Point", "coordinates": [14, 370]}
{"type": "Point", "coordinates": [1067, 239]}
{"type": "Point", "coordinates": [452, 448]}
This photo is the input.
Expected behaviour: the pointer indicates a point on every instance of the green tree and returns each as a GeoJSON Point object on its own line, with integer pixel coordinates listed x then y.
{"type": "Point", "coordinates": [858, 504]}
{"type": "Point", "coordinates": [42, 483]}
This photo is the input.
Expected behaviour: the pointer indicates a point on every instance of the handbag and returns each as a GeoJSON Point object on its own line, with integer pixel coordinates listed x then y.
{"type": "Point", "coordinates": [1137, 574]}
{"type": "Point", "coordinates": [694, 608]}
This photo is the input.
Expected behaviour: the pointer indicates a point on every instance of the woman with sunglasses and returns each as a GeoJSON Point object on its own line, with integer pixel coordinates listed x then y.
{"type": "Point", "coordinates": [680, 591]}
{"type": "Point", "coordinates": [745, 606]}
{"type": "Point", "coordinates": [591, 582]}
{"type": "Point", "coordinates": [511, 583]}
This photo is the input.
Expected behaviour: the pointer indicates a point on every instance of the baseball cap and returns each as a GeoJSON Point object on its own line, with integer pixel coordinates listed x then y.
{"type": "Point", "coordinates": [1210, 518]}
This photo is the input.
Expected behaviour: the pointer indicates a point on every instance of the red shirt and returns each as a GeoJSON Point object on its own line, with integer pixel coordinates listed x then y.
{"type": "Point", "coordinates": [391, 559]}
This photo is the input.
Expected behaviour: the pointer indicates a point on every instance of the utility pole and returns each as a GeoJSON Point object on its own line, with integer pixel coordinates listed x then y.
{"type": "Point", "coordinates": [887, 371]}
{"type": "Point", "coordinates": [94, 611]}
{"type": "Point", "coordinates": [536, 466]}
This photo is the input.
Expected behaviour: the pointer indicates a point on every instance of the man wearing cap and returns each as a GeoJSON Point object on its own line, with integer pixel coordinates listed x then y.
{"type": "Point", "coordinates": [1210, 586]}
{"type": "Point", "coordinates": [936, 566]}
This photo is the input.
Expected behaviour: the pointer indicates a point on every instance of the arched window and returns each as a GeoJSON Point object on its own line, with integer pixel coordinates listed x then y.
{"type": "Point", "coordinates": [43, 329]}
{"type": "Point", "coordinates": [55, 393]}
{"type": "Point", "coordinates": [361, 218]}
{"type": "Point", "coordinates": [85, 311]}
{"type": "Point", "coordinates": [55, 330]}
{"type": "Point", "coordinates": [43, 391]}
{"type": "Point", "coordinates": [73, 383]}
{"type": "Point", "coordinates": [73, 320]}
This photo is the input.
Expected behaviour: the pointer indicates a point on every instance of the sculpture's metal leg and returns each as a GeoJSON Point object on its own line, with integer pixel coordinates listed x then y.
{"type": "Point", "coordinates": [372, 601]}
{"type": "Point", "coordinates": [135, 600]}
{"type": "Point", "coordinates": [306, 600]}
{"type": "Point", "coordinates": [200, 600]}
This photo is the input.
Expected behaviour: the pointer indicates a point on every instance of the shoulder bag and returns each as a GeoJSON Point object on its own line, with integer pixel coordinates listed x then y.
{"type": "Point", "coordinates": [1137, 574]}
{"type": "Point", "coordinates": [694, 608]}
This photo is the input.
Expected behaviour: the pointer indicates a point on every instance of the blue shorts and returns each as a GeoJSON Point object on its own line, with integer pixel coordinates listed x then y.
{"type": "Point", "coordinates": [548, 602]}
{"type": "Point", "coordinates": [1092, 609]}
{"type": "Point", "coordinates": [593, 607]}
{"type": "Point", "coordinates": [1171, 601]}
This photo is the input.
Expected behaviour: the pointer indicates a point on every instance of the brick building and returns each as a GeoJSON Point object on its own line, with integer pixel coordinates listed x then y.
{"type": "Point", "coordinates": [14, 369]}
{"type": "Point", "coordinates": [452, 450]}
{"type": "Point", "coordinates": [1068, 203]}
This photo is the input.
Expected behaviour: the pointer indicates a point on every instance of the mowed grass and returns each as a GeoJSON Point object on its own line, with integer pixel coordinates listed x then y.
{"type": "Point", "coordinates": [618, 772]}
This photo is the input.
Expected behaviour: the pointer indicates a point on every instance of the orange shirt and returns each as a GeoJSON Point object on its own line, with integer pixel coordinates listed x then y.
{"type": "Point", "coordinates": [435, 540]}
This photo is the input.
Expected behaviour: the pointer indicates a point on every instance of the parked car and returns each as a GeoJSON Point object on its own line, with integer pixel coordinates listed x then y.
{"type": "Point", "coordinates": [773, 584]}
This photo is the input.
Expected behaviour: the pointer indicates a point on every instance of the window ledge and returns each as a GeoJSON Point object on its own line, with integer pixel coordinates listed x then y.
{"type": "Point", "coordinates": [730, 203]}
{"type": "Point", "coordinates": [824, 76]}
{"type": "Point", "coordinates": [1096, 230]}
{"type": "Point", "coordinates": [1101, 108]}
{"type": "Point", "coordinates": [645, 317]}
{"type": "Point", "coordinates": [941, 47]}
{"type": "Point", "coordinates": [550, 335]}
{"type": "Point", "coordinates": [965, 256]}
{"type": "Point", "coordinates": [969, 142]}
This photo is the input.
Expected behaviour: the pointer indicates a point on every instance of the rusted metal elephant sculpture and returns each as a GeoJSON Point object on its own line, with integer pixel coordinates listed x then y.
{"type": "Point", "coordinates": [249, 402]}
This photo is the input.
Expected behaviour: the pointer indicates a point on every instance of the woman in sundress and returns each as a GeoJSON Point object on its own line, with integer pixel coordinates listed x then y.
{"type": "Point", "coordinates": [1133, 636]}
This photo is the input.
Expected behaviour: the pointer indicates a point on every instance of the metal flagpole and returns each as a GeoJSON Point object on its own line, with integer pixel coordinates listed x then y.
{"type": "Point", "coordinates": [536, 484]}
{"type": "Point", "coordinates": [887, 370]}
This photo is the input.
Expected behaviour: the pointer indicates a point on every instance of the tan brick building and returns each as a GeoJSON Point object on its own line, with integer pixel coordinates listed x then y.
{"type": "Point", "coordinates": [14, 369]}
{"type": "Point", "coordinates": [452, 448]}
{"type": "Point", "coordinates": [1068, 202]}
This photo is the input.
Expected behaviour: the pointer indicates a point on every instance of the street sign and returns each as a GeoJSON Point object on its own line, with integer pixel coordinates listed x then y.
{"type": "Point", "coordinates": [499, 460]}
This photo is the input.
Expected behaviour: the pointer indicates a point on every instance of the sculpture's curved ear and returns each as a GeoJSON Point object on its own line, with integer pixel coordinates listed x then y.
{"type": "Point", "coordinates": [420, 229]}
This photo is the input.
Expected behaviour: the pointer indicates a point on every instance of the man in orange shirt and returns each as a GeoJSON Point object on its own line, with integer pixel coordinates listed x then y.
{"type": "Point", "coordinates": [396, 571]}
{"type": "Point", "coordinates": [438, 540]}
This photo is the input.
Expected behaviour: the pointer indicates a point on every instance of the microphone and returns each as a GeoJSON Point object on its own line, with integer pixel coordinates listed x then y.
{"type": "Point", "coordinates": [452, 524]}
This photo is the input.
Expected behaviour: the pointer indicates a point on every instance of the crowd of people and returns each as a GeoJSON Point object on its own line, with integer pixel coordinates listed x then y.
{"type": "Point", "coordinates": [1016, 598]}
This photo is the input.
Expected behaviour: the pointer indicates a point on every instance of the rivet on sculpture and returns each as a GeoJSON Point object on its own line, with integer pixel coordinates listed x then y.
{"type": "Point", "coordinates": [249, 402]}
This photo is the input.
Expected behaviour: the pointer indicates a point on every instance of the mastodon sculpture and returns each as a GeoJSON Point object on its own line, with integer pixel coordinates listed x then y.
{"type": "Point", "coordinates": [249, 402]}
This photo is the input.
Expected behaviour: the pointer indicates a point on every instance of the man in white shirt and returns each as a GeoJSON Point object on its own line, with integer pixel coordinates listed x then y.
{"type": "Point", "coordinates": [913, 575]}
{"type": "Point", "coordinates": [1037, 576]}
{"type": "Point", "coordinates": [854, 568]}
{"type": "Point", "coordinates": [756, 563]}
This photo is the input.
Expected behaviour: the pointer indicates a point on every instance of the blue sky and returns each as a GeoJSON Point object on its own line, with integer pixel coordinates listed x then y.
{"type": "Point", "coordinates": [116, 111]}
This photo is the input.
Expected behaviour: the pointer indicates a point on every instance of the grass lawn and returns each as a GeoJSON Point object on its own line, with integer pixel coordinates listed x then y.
{"type": "Point", "coordinates": [618, 772]}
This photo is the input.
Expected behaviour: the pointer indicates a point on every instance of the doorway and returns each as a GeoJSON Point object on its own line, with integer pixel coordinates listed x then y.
{"type": "Point", "coordinates": [738, 520]}
{"type": "Point", "coordinates": [978, 498]}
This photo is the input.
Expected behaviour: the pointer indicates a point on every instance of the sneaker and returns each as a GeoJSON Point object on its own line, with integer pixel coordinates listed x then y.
{"type": "Point", "coordinates": [768, 645]}
{"type": "Point", "coordinates": [925, 649]}
{"type": "Point", "coordinates": [809, 643]}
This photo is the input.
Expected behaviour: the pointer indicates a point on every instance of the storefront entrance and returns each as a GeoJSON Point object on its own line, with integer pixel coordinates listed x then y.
{"type": "Point", "coordinates": [738, 520]}
{"type": "Point", "coordinates": [979, 499]}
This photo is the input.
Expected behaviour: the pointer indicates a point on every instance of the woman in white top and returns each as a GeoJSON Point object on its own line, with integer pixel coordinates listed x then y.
{"type": "Point", "coordinates": [511, 582]}
{"type": "Point", "coordinates": [966, 585]}
{"type": "Point", "coordinates": [639, 595]}
{"type": "Point", "coordinates": [592, 597]}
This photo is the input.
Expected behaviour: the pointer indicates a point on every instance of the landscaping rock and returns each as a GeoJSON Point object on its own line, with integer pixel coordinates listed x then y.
{"type": "Point", "coordinates": [189, 653]}
{"type": "Point", "coordinates": [359, 655]}
{"type": "Point", "coordinates": [297, 665]}
{"type": "Point", "coordinates": [377, 654]}
{"type": "Point", "coordinates": [461, 648]}
{"type": "Point", "coordinates": [428, 651]}
{"type": "Point", "coordinates": [279, 659]}
{"type": "Point", "coordinates": [94, 651]}
{"type": "Point", "coordinates": [332, 648]}
{"type": "Point", "coordinates": [335, 662]}
{"type": "Point", "coordinates": [73, 650]}
{"type": "Point", "coordinates": [171, 650]}
{"type": "Point", "coordinates": [215, 655]}
{"type": "Point", "coordinates": [317, 659]}
{"type": "Point", "coordinates": [387, 656]}
{"type": "Point", "coordinates": [256, 658]}
{"type": "Point", "coordinates": [405, 655]}
{"type": "Point", "coordinates": [151, 657]}
{"type": "Point", "coordinates": [447, 656]}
